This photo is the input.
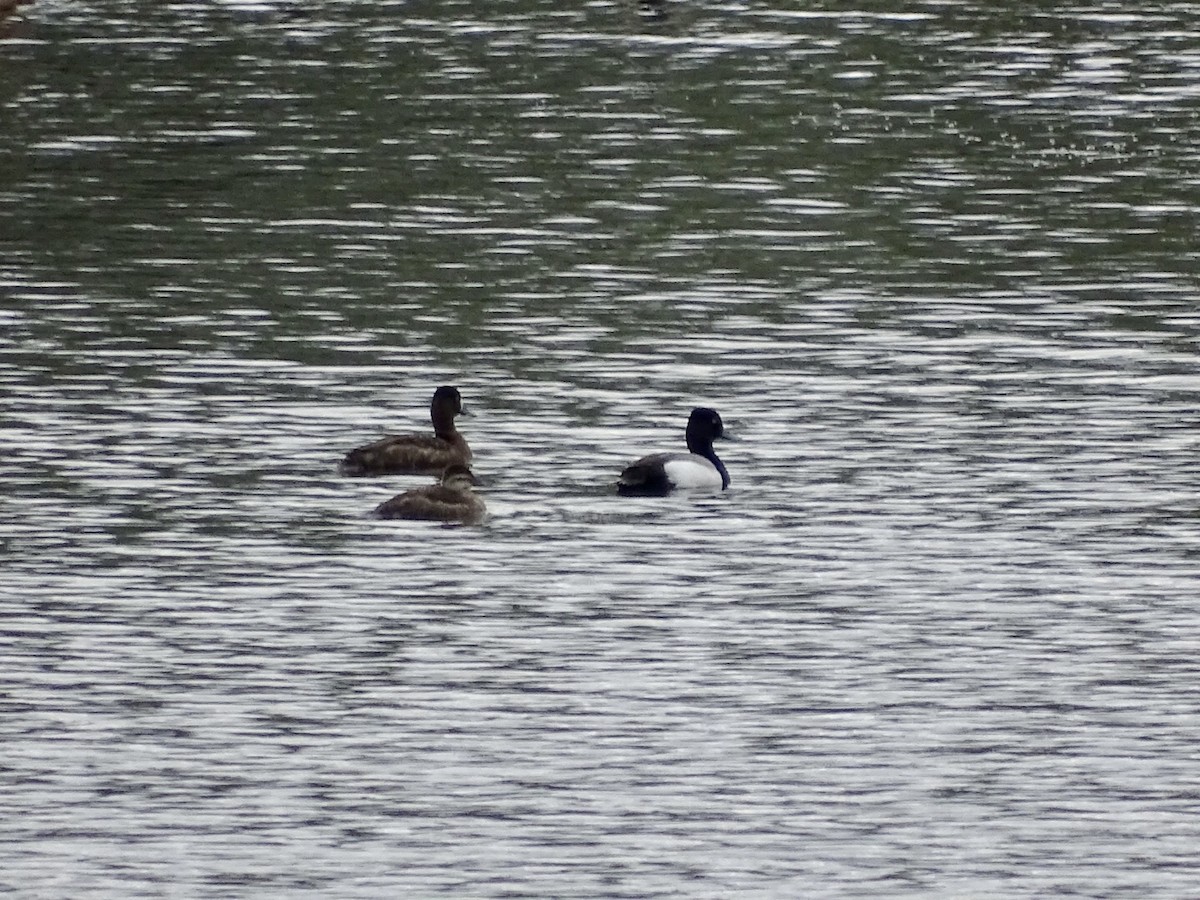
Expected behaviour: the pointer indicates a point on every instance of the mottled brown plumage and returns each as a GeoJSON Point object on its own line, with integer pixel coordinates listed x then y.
{"type": "Point", "coordinates": [450, 501]}
{"type": "Point", "coordinates": [416, 453]}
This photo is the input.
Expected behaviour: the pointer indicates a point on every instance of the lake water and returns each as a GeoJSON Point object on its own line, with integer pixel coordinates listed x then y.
{"type": "Point", "coordinates": [936, 269]}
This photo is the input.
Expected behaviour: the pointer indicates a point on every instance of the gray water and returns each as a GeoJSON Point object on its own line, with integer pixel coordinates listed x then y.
{"type": "Point", "coordinates": [935, 268]}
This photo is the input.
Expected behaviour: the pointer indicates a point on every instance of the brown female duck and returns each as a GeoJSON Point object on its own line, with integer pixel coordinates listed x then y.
{"type": "Point", "coordinates": [450, 501]}
{"type": "Point", "coordinates": [416, 453]}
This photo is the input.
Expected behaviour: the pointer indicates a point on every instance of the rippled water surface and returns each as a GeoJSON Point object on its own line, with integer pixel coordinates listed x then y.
{"type": "Point", "coordinates": [936, 269]}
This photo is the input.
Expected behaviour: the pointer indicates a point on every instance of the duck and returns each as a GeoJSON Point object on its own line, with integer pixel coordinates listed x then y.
{"type": "Point", "coordinates": [660, 473]}
{"type": "Point", "coordinates": [451, 500]}
{"type": "Point", "coordinates": [423, 454]}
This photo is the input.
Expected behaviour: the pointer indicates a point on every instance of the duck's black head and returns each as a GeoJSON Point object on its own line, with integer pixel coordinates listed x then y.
{"type": "Point", "coordinates": [449, 399]}
{"type": "Point", "coordinates": [704, 426]}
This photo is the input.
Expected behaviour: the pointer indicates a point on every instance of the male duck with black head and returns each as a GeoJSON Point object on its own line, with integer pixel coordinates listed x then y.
{"type": "Point", "coordinates": [416, 453]}
{"type": "Point", "coordinates": [451, 501]}
{"type": "Point", "coordinates": [661, 473]}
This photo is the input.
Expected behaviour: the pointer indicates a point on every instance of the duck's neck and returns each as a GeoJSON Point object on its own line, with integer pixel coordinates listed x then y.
{"type": "Point", "coordinates": [705, 449]}
{"type": "Point", "coordinates": [443, 425]}
{"type": "Point", "coordinates": [711, 456]}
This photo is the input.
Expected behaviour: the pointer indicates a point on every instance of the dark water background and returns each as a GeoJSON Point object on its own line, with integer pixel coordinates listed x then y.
{"type": "Point", "coordinates": [937, 270]}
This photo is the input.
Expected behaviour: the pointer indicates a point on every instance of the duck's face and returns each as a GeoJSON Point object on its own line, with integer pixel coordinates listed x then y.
{"type": "Point", "coordinates": [448, 398]}
{"type": "Point", "coordinates": [718, 427]}
{"type": "Point", "coordinates": [709, 420]}
{"type": "Point", "coordinates": [459, 478]}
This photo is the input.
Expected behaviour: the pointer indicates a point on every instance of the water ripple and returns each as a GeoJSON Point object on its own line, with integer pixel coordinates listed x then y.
{"type": "Point", "coordinates": [934, 269]}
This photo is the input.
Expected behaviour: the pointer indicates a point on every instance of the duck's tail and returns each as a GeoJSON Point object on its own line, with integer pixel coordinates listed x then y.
{"type": "Point", "coordinates": [640, 480]}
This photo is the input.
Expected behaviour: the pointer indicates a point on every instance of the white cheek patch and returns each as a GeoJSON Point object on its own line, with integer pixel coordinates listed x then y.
{"type": "Point", "coordinates": [692, 472]}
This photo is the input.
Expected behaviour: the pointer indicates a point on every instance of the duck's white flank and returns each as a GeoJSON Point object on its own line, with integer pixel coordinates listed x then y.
{"type": "Point", "coordinates": [692, 471]}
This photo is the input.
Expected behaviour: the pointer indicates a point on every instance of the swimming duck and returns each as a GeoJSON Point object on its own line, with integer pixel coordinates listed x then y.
{"type": "Point", "coordinates": [450, 501]}
{"type": "Point", "coordinates": [661, 473]}
{"type": "Point", "coordinates": [416, 453]}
